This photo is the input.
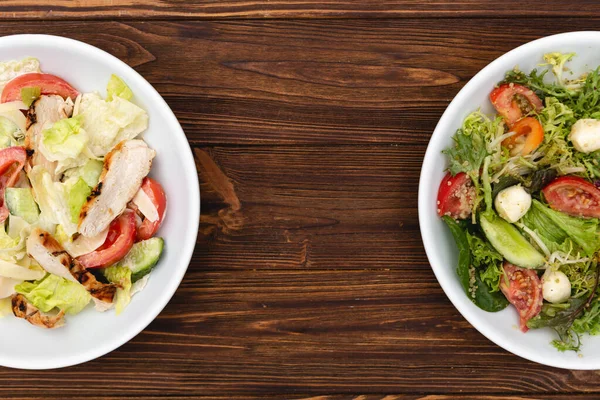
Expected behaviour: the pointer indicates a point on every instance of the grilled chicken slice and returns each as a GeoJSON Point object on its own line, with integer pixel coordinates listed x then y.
{"type": "Point", "coordinates": [54, 259]}
{"type": "Point", "coordinates": [124, 168]}
{"type": "Point", "coordinates": [44, 112]}
{"type": "Point", "coordinates": [23, 309]}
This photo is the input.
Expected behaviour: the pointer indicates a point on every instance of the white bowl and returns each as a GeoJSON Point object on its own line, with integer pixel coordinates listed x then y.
{"type": "Point", "coordinates": [92, 334]}
{"type": "Point", "coordinates": [500, 328]}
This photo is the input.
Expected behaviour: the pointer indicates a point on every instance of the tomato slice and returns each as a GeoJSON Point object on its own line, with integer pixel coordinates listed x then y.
{"type": "Point", "coordinates": [48, 84]}
{"type": "Point", "coordinates": [523, 289]}
{"type": "Point", "coordinates": [456, 196]}
{"type": "Point", "coordinates": [529, 134]}
{"type": "Point", "coordinates": [12, 160]}
{"type": "Point", "coordinates": [120, 239]}
{"type": "Point", "coordinates": [512, 101]}
{"type": "Point", "coordinates": [574, 196]}
{"type": "Point", "coordinates": [155, 192]}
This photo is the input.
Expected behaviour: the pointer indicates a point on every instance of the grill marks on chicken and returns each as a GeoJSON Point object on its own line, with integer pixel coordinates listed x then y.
{"type": "Point", "coordinates": [54, 259]}
{"type": "Point", "coordinates": [23, 309]}
{"type": "Point", "coordinates": [124, 168]}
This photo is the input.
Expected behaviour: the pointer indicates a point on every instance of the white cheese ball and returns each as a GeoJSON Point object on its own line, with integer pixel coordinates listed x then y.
{"type": "Point", "coordinates": [512, 203]}
{"type": "Point", "coordinates": [585, 135]}
{"type": "Point", "coordinates": [556, 287]}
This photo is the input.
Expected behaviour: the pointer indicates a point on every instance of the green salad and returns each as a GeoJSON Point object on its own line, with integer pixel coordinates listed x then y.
{"type": "Point", "coordinates": [521, 199]}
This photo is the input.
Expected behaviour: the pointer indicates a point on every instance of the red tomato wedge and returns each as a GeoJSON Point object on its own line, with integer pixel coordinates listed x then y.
{"type": "Point", "coordinates": [512, 101]}
{"type": "Point", "coordinates": [157, 195]}
{"type": "Point", "coordinates": [529, 134]}
{"type": "Point", "coordinates": [574, 196]}
{"type": "Point", "coordinates": [12, 160]}
{"type": "Point", "coordinates": [120, 239]}
{"type": "Point", "coordinates": [48, 84]}
{"type": "Point", "coordinates": [456, 196]}
{"type": "Point", "coordinates": [523, 289]}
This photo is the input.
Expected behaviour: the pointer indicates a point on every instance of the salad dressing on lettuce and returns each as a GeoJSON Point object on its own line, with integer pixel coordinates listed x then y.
{"type": "Point", "coordinates": [71, 164]}
{"type": "Point", "coordinates": [521, 199]}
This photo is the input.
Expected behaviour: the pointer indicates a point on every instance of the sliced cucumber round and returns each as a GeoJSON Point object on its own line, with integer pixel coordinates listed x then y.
{"type": "Point", "coordinates": [142, 257]}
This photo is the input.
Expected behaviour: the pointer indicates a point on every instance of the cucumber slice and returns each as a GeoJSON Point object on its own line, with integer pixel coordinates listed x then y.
{"type": "Point", "coordinates": [142, 257]}
{"type": "Point", "coordinates": [510, 243]}
{"type": "Point", "coordinates": [20, 202]}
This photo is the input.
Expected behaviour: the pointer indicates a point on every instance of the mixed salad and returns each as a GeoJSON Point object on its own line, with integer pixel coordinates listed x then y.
{"type": "Point", "coordinates": [522, 200]}
{"type": "Point", "coordinates": [78, 213]}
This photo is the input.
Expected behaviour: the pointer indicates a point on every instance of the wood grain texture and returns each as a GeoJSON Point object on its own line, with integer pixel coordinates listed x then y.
{"type": "Point", "coordinates": [309, 280]}
{"type": "Point", "coordinates": [307, 82]}
{"type": "Point", "coordinates": [239, 9]}
{"type": "Point", "coordinates": [310, 207]}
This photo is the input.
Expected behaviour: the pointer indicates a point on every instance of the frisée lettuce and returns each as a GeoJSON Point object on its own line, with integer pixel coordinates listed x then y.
{"type": "Point", "coordinates": [545, 184]}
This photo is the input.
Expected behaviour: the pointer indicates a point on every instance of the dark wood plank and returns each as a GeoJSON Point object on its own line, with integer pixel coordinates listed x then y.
{"type": "Point", "coordinates": [346, 397]}
{"type": "Point", "coordinates": [351, 207]}
{"type": "Point", "coordinates": [238, 9]}
{"type": "Point", "coordinates": [307, 82]}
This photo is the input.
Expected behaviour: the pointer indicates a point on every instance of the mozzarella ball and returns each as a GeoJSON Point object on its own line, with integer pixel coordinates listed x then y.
{"type": "Point", "coordinates": [585, 135]}
{"type": "Point", "coordinates": [556, 287]}
{"type": "Point", "coordinates": [512, 203]}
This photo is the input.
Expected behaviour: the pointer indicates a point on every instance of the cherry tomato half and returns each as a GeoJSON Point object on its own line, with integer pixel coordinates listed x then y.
{"type": "Point", "coordinates": [523, 289]}
{"type": "Point", "coordinates": [48, 84]}
{"type": "Point", "coordinates": [512, 101]}
{"type": "Point", "coordinates": [157, 195]}
{"type": "Point", "coordinates": [529, 134]}
{"type": "Point", "coordinates": [456, 196]}
{"type": "Point", "coordinates": [120, 238]}
{"type": "Point", "coordinates": [574, 196]}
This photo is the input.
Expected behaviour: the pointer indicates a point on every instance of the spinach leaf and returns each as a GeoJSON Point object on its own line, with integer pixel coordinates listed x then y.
{"type": "Point", "coordinates": [475, 288]}
{"type": "Point", "coordinates": [540, 178]}
{"type": "Point", "coordinates": [464, 254]}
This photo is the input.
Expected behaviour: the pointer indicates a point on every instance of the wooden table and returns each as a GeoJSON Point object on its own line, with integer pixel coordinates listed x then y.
{"type": "Point", "coordinates": [308, 121]}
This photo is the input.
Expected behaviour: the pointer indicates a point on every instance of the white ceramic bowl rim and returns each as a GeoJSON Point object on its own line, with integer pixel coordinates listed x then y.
{"type": "Point", "coordinates": [191, 181]}
{"type": "Point", "coordinates": [426, 205]}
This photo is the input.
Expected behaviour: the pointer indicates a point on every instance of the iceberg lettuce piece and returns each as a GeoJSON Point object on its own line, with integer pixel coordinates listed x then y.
{"type": "Point", "coordinates": [77, 194]}
{"type": "Point", "coordinates": [55, 292]}
{"type": "Point", "coordinates": [12, 69]}
{"type": "Point", "coordinates": [110, 122]}
{"type": "Point", "coordinates": [63, 140]}
{"type": "Point", "coordinates": [89, 172]}
{"type": "Point", "coordinates": [120, 276]}
{"type": "Point", "coordinates": [9, 131]}
{"type": "Point", "coordinates": [53, 201]}
{"type": "Point", "coordinates": [116, 87]}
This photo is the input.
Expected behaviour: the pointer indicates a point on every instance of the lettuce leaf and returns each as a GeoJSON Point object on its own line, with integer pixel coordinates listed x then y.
{"type": "Point", "coordinates": [120, 276]}
{"type": "Point", "coordinates": [12, 69]}
{"type": "Point", "coordinates": [560, 231]}
{"type": "Point", "coordinates": [55, 292]}
{"type": "Point", "coordinates": [63, 140]}
{"type": "Point", "coordinates": [53, 201]}
{"type": "Point", "coordinates": [117, 88]}
{"type": "Point", "coordinates": [77, 194]}
{"type": "Point", "coordinates": [89, 172]}
{"type": "Point", "coordinates": [110, 122]}
{"type": "Point", "coordinates": [8, 130]}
